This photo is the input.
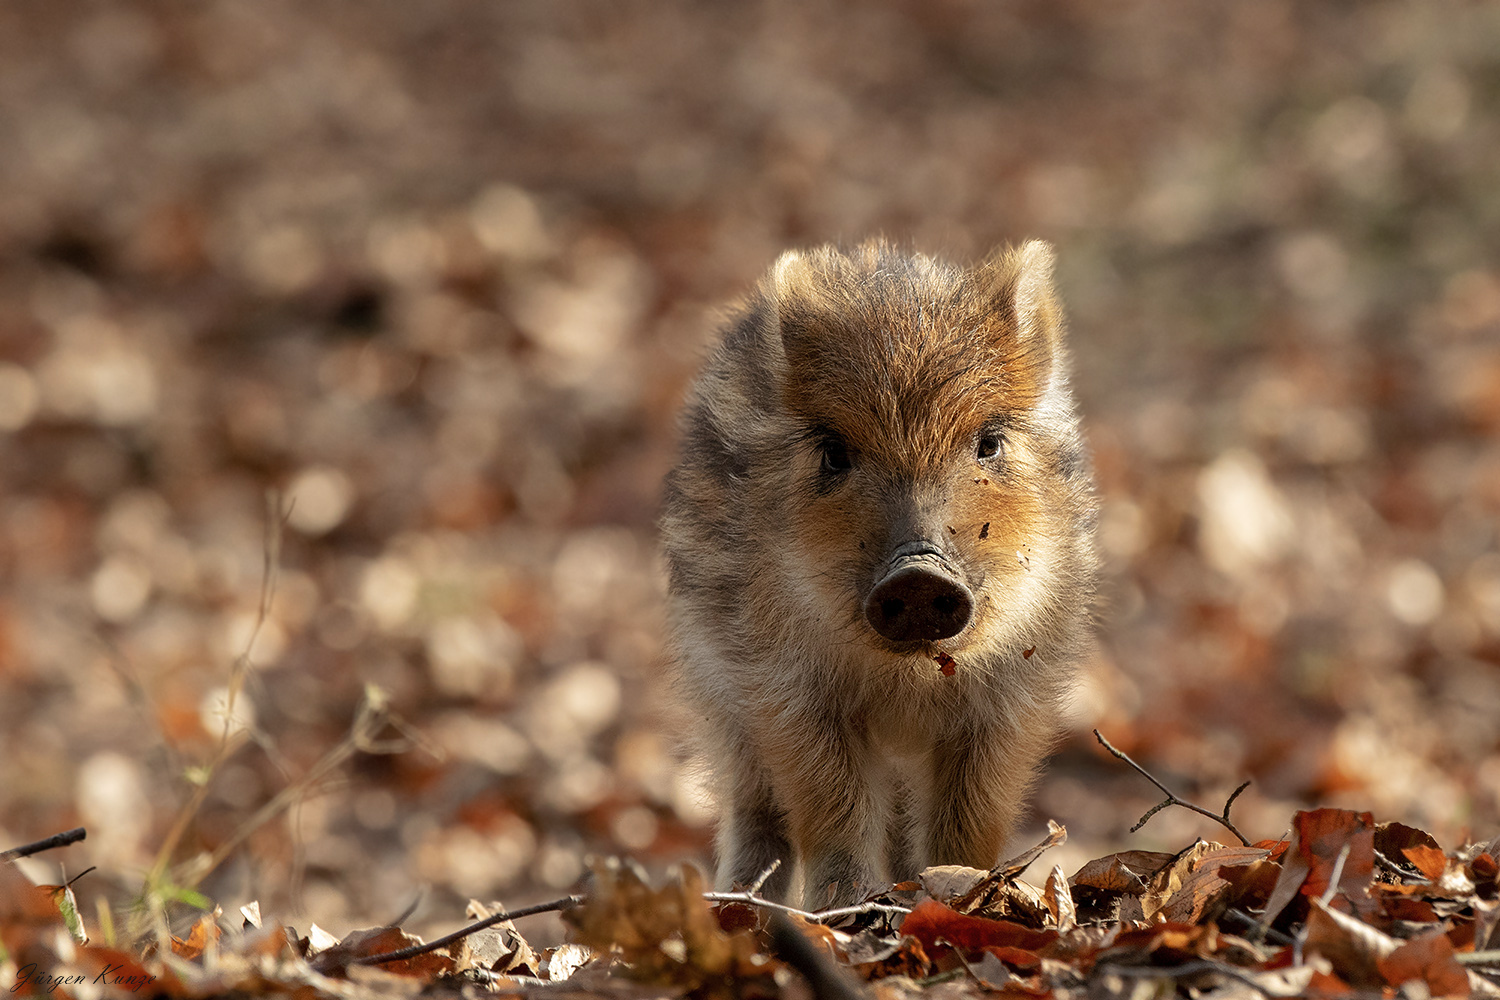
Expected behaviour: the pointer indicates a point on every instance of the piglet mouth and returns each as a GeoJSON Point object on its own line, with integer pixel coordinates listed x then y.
{"type": "Point", "coordinates": [919, 597]}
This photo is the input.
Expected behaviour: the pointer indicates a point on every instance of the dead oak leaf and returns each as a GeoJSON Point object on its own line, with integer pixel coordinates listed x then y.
{"type": "Point", "coordinates": [1352, 947]}
{"type": "Point", "coordinates": [1058, 897]}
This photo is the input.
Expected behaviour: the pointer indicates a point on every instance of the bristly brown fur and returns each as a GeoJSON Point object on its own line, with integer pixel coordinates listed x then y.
{"type": "Point", "coordinates": [838, 417]}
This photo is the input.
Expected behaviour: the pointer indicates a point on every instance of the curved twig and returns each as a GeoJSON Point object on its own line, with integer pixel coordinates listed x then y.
{"type": "Point", "coordinates": [566, 903]}
{"type": "Point", "coordinates": [1171, 797]}
{"type": "Point", "coordinates": [811, 916]}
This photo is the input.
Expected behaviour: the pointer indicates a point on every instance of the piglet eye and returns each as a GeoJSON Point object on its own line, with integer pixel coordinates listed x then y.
{"type": "Point", "coordinates": [836, 456]}
{"type": "Point", "coordinates": [991, 444]}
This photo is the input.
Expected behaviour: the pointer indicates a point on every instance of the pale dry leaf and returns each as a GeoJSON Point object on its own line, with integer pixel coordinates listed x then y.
{"type": "Point", "coordinates": [946, 883]}
{"type": "Point", "coordinates": [1352, 946]}
{"type": "Point", "coordinates": [1059, 900]}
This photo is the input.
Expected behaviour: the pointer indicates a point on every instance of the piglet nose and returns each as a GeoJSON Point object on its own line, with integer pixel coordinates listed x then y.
{"type": "Point", "coordinates": [919, 598]}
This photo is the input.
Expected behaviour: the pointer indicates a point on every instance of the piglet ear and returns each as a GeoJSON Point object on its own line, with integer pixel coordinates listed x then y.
{"type": "Point", "coordinates": [1024, 319]}
{"type": "Point", "coordinates": [803, 289]}
{"type": "Point", "coordinates": [785, 291]}
{"type": "Point", "coordinates": [789, 274]}
{"type": "Point", "coordinates": [1020, 293]}
{"type": "Point", "coordinates": [1034, 301]}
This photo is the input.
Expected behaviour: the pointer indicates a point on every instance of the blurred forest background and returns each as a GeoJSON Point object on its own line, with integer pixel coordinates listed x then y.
{"type": "Point", "coordinates": [438, 273]}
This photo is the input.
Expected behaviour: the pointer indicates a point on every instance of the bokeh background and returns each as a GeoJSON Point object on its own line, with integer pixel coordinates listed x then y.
{"type": "Point", "coordinates": [436, 275]}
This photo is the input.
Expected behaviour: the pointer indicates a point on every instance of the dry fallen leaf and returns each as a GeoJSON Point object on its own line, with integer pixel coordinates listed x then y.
{"type": "Point", "coordinates": [1319, 837]}
{"type": "Point", "coordinates": [1353, 947]}
{"type": "Point", "coordinates": [1059, 899]}
{"type": "Point", "coordinates": [666, 935]}
{"type": "Point", "coordinates": [939, 927]}
{"type": "Point", "coordinates": [1428, 959]}
{"type": "Point", "coordinates": [337, 960]}
{"type": "Point", "coordinates": [1193, 887]}
{"type": "Point", "coordinates": [978, 897]}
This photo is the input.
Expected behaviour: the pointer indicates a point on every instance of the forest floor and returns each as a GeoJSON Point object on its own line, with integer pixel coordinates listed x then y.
{"type": "Point", "coordinates": [341, 347]}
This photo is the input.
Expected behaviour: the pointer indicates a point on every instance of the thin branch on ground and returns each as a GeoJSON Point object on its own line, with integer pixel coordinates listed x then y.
{"type": "Point", "coordinates": [761, 879]}
{"type": "Point", "coordinates": [813, 917]}
{"type": "Point", "coordinates": [1249, 925]}
{"type": "Point", "coordinates": [63, 839]}
{"type": "Point", "coordinates": [751, 897]}
{"type": "Point", "coordinates": [401, 954]}
{"type": "Point", "coordinates": [1400, 868]}
{"type": "Point", "coordinates": [1172, 798]}
{"type": "Point", "coordinates": [1338, 874]}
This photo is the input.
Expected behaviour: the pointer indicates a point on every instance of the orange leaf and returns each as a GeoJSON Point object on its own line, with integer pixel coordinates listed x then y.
{"type": "Point", "coordinates": [1430, 959]}
{"type": "Point", "coordinates": [1276, 847]}
{"type": "Point", "coordinates": [1198, 940]}
{"type": "Point", "coordinates": [1352, 946]}
{"type": "Point", "coordinates": [1323, 984]}
{"type": "Point", "coordinates": [1418, 911]}
{"type": "Point", "coordinates": [1019, 957]}
{"type": "Point", "coordinates": [1318, 838]}
{"type": "Point", "coordinates": [936, 925]}
{"type": "Point", "coordinates": [1391, 839]}
{"type": "Point", "coordinates": [1430, 861]}
{"type": "Point", "coordinates": [205, 932]}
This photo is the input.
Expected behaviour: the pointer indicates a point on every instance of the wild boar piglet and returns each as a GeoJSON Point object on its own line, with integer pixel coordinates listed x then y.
{"type": "Point", "coordinates": [879, 541]}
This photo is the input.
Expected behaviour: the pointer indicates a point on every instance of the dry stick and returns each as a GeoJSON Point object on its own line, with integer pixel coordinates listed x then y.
{"type": "Point", "coordinates": [1172, 799]}
{"type": "Point", "coordinates": [1336, 876]}
{"type": "Point", "coordinates": [812, 917]}
{"type": "Point", "coordinates": [63, 839]}
{"type": "Point", "coordinates": [1399, 869]}
{"type": "Point", "coordinates": [1249, 924]}
{"type": "Point", "coordinates": [761, 879]}
{"type": "Point", "coordinates": [751, 897]}
{"type": "Point", "coordinates": [569, 902]}
{"type": "Point", "coordinates": [566, 903]}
